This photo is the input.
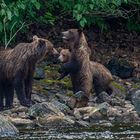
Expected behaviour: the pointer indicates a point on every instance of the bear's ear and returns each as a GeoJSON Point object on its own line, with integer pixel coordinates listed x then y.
{"type": "Point", "coordinates": [60, 49]}
{"type": "Point", "coordinates": [35, 37]}
{"type": "Point", "coordinates": [80, 30]}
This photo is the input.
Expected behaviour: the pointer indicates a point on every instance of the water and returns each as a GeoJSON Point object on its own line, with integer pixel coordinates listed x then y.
{"type": "Point", "coordinates": [97, 132]}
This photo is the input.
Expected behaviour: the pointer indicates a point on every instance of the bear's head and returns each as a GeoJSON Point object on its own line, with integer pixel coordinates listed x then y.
{"type": "Point", "coordinates": [65, 55]}
{"type": "Point", "coordinates": [76, 40]}
{"type": "Point", "coordinates": [72, 36]}
{"type": "Point", "coordinates": [44, 47]}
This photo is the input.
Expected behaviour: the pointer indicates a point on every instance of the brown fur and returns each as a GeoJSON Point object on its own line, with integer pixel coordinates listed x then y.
{"type": "Point", "coordinates": [90, 72]}
{"type": "Point", "coordinates": [17, 67]}
{"type": "Point", "coordinates": [65, 55]}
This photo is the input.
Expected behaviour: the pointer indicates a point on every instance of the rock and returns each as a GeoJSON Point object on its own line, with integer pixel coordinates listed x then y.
{"type": "Point", "coordinates": [17, 110]}
{"type": "Point", "coordinates": [39, 73]}
{"type": "Point", "coordinates": [79, 95]}
{"type": "Point", "coordinates": [55, 122]}
{"type": "Point", "coordinates": [44, 109]}
{"type": "Point", "coordinates": [62, 107]}
{"type": "Point", "coordinates": [6, 127]}
{"type": "Point", "coordinates": [69, 101]}
{"type": "Point", "coordinates": [135, 99]}
{"type": "Point", "coordinates": [62, 98]}
{"type": "Point", "coordinates": [82, 123]}
{"type": "Point", "coordinates": [121, 68]}
{"type": "Point", "coordinates": [20, 121]}
{"type": "Point", "coordinates": [130, 93]}
{"type": "Point", "coordinates": [39, 98]}
{"type": "Point", "coordinates": [103, 97]}
{"type": "Point", "coordinates": [124, 114]}
{"type": "Point", "coordinates": [88, 112]}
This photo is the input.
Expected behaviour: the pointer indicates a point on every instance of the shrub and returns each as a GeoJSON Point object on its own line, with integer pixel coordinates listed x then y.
{"type": "Point", "coordinates": [14, 16]}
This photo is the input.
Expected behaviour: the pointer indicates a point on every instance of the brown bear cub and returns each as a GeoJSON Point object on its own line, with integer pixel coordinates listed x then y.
{"type": "Point", "coordinates": [90, 73]}
{"type": "Point", "coordinates": [17, 67]}
{"type": "Point", "coordinates": [69, 65]}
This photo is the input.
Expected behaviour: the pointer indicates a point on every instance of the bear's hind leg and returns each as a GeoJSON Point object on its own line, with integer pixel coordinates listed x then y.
{"type": "Point", "coordinates": [9, 95]}
{"type": "Point", "coordinates": [1, 98]}
{"type": "Point", "coordinates": [109, 90]}
{"type": "Point", "coordinates": [28, 84]}
{"type": "Point", "coordinates": [20, 90]}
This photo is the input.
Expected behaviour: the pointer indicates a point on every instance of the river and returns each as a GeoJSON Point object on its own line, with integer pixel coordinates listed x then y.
{"type": "Point", "coordinates": [97, 132]}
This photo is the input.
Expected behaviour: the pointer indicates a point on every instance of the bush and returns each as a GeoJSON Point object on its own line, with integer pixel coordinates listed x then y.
{"type": "Point", "coordinates": [14, 16]}
{"type": "Point", "coordinates": [88, 12]}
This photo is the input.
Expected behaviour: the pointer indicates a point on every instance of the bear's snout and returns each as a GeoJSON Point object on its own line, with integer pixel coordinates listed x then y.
{"type": "Point", "coordinates": [60, 58]}
{"type": "Point", "coordinates": [65, 35]}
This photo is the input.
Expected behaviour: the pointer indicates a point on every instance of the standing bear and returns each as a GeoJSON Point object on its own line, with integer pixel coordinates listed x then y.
{"type": "Point", "coordinates": [17, 67]}
{"type": "Point", "coordinates": [90, 73]}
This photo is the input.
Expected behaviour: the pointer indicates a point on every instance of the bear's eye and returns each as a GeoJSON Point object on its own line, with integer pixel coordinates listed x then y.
{"type": "Point", "coordinates": [64, 55]}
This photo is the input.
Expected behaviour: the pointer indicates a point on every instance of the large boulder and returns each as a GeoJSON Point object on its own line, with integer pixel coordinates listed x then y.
{"type": "Point", "coordinates": [120, 67]}
{"type": "Point", "coordinates": [44, 109]}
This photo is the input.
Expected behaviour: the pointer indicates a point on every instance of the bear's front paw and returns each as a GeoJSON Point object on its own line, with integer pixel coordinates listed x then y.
{"type": "Point", "coordinates": [25, 103]}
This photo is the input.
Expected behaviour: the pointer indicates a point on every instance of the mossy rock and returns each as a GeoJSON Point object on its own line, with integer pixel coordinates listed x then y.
{"type": "Point", "coordinates": [136, 85]}
{"type": "Point", "coordinates": [119, 87]}
{"type": "Point", "coordinates": [51, 81]}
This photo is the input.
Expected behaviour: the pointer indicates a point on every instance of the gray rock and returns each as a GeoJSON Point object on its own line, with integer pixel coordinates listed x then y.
{"type": "Point", "coordinates": [103, 97]}
{"type": "Point", "coordinates": [82, 123]}
{"type": "Point", "coordinates": [55, 122]}
{"type": "Point", "coordinates": [120, 67]}
{"type": "Point", "coordinates": [88, 112]}
{"type": "Point", "coordinates": [136, 100]}
{"type": "Point", "coordinates": [61, 106]}
{"type": "Point", "coordinates": [124, 114]}
{"type": "Point", "coordinates": [20, 121]}
{"type": "Point", "coordinates": [39, 73]}
{"type": "Point", "coordinates": [44, 109]}
{"type": "Point", "coordinates": [39, 98]}
{"type": "Point", "coordinates": [6, 127]}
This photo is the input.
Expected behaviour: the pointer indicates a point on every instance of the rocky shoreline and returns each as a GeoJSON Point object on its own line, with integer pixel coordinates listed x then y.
{"type": "Point", "coordinates": [53, 106]}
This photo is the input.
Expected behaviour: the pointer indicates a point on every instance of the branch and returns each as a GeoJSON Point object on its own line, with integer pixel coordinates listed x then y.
{"type": "Point", "coordinates": [23, 25]}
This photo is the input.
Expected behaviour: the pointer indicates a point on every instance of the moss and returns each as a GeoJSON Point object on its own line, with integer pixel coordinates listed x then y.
{"type": "Point", "coordinates": [119, 86]}
{"type": "Point", "coordinates": [51, 81]}
{"type": "Point", "coordinates": [136, 85]}
{"type": "Point", "coordinates": [66, 83]}
{"type": "Point", "coordinates": [70, 93]}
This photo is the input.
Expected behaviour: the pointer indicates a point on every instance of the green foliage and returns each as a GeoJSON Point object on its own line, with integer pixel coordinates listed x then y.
{"type": "Point", "coordinates": [88, 12]}
{"type": "Point", "coordinates": [15, 15]}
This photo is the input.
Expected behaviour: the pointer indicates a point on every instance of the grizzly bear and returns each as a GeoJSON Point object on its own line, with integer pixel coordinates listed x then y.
{"type": "Point", "coordinates": [17, 67]}
{"type": "Point", "coordinates": [90, 73]}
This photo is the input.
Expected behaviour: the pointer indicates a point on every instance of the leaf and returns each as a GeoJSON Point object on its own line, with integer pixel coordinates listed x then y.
{"type": "Point", "coordinates": [83, 22]}
{"type": "Point", "coordinates": [2, 12]}
{"type": "Point", "coordinates": [33, 1]}
{"type": "Point", "coordinates": [91, 6]}
{"type": "Point", "coordinates": [37, 5]}
{"type": "Point", "coordinates": [22, 6]}
{"type": "Point", "coordinates": [78, 17]}
{"type": "Point", "coordinates": [1, 26]}
{"type": "Point", "coordinates": [16, 12]}
{"type": "Point", "coordinates": [125, 1]}
{"type": "Point", "coordinates": [9, 14]}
